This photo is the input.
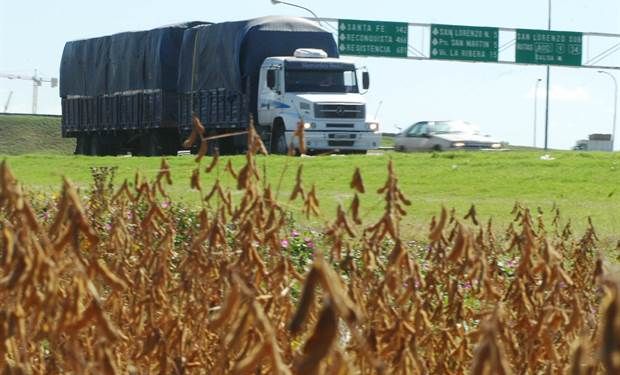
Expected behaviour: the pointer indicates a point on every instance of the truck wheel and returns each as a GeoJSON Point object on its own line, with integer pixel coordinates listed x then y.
{"type": "Point", "coordinates": [170, 149]}
{"type": "Point", "coordinates": [94, 148]}
{"type": "Point", "coordinates": [213, 144]}
{"type": "Point", "coordinates": [109, 145]}
{"type": "Point", "coordinates": [278, 143]}
{"type": "Point", "coordinates": [170, 143]}
{"type": "Point", "coordinates": [227, 146]}
{"type": "Point", "coordinates": [150, 144]}
{"type": "Point", "coordinates": [82, 145]}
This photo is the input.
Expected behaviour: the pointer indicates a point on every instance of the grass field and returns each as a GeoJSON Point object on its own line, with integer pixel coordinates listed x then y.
{"type": "Point", "coordinates": [580, 184]}
{"type": "Point", "coordinates": [387, 140]}
{"type": "Point", "coordinates": [30, 134]}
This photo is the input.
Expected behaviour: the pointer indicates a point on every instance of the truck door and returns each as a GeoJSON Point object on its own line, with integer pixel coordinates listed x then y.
{"type": "Point", "coordinates": [269, 98]}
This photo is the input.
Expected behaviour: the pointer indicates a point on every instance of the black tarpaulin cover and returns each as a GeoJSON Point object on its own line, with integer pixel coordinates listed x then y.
{"type": "Point", "coordinates": [140, 60]}
{"type": "Point", "coordinates": [229, 55]}
{"type": "Point", "coordinates": [186, 57]}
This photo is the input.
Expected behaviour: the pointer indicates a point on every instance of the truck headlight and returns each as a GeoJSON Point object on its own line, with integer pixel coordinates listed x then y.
{"type": "Point", "coordinates": [307, 125]}
{"type": "Point", "coordinates": [373, 126]}
{"type": "Point", "coordinates": [458, 144]}
{"type": "Point", "coordinates": [496, 145]}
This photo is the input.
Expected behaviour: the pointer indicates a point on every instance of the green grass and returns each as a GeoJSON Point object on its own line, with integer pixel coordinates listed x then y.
{"type": "Point", "coordinates": [33, 134]}
{"type": "Point", "coordinates": [581, 184]}
{"type": "Point", "coordinates": [387, 140]}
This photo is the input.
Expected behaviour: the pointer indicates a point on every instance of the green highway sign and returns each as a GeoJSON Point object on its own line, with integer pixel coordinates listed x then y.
{"type": "Point", "coordinates": [548, 47]}
{"type": "Point", "coordinates": [373, 38]}
{"type": "Point", "coordinates": [469, 43]}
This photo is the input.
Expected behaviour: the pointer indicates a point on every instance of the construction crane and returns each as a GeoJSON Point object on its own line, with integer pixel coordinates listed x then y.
{"type": "Point", "coordinates": [8, 100]}
{"type": "Point", "coordinates": [36, 82]}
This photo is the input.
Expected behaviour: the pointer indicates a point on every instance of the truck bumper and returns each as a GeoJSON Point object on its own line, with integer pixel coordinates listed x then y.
{"type": "Point", "coordinates": [337, 140]}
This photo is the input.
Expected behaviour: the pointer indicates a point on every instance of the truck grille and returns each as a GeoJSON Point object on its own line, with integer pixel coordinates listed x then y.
{"type": "Point", "coordinates": [339, 111]}
{"type": "Point", "coordinates": [341, 143]}
{"type": "Point", "coordinates": [342, 136]}
{"type": "Point", "coordinates": [339, 125]}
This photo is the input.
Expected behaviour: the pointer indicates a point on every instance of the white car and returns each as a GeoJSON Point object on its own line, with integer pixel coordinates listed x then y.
{"type": "Point", "coordinates": [444, 135]}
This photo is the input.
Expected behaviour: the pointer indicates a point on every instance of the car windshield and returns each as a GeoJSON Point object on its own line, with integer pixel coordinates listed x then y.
{"type": "Point", "coordinates": [337, 81]}
{"type": "Point", "coordinates": [446, 127]}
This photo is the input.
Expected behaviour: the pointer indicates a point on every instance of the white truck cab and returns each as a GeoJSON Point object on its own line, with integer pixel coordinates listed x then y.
{"type": "Point", "coordinates": [323, 94]}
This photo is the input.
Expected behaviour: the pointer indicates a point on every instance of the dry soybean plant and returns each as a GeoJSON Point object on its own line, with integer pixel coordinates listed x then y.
{"type": "Point", "coordinates": [112, 283]}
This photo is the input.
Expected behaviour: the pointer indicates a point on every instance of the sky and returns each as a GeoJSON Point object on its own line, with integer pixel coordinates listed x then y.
{"type": "Point", "coordinates": [499, 98]}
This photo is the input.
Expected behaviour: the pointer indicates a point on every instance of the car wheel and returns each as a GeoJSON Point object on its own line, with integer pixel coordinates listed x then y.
{"type": "Point", "coordinates": [437, 148]}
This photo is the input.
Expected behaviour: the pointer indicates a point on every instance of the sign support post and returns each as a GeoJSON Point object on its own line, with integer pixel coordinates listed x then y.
{"type": "Point", "coordinates": [547, 95]}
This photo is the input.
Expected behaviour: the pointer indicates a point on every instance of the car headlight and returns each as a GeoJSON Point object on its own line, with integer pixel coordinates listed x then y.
{"type": "Point", "coordinates": [458, 144]}
{"type": "Point", "coordinates": [307, 125]}
{"type": "Point", "coordinates": [496, 145]}
{"type": "Point", "coordinates": [373, 126]}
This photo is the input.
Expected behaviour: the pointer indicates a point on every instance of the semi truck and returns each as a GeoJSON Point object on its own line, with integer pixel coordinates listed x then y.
{"type": "Point", "coordinates": [595, 142]}
{"type": "Point", "coordinates": [139, 91]}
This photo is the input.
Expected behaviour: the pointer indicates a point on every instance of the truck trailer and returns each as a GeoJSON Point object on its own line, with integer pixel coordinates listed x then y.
{"type": "Point", "coordinates": [139, 91]}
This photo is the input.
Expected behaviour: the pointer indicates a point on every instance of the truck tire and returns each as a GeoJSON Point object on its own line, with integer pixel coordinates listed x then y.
{"type": "Point", "coordinates": [278, 142]}
{"type": "Point", "coordinates": [82, 145]}
{"type": "Point", "coordinates": [212, 144]}
{"type": "Point", "coordinates": [158, 142]}
{"type": "Point", "coordinates": [169, 142]}
{"type": "Point", "coordinates": [150, 144]}
{"type": "Point", "coordinates": [94, 145]}
{"type": "Point", "coordinates": [169, 147]}
{"type": "Point", "coordinates": [103, 145]}
{"type": "Point", "coordinates": [227, 146]}
{"type": "Point", "coordinates": [110, 145]}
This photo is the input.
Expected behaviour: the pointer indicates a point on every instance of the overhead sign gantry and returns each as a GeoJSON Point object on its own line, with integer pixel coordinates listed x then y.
{"type": "Point", "coordinates": [473, 43]}
{"type": "Point", "coordinates": [372, 38]}
{"type": "Point", "coordinates": [549, 47]}
{"type": "Point", "coordinates": [468, 43]}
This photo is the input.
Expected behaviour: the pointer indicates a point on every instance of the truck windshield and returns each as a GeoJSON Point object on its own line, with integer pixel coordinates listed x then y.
{"type": "Point", "coordinates": [321, 81]}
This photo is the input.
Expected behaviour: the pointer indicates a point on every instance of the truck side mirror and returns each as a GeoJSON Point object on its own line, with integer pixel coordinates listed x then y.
{"type": "Point", "coordinates": [365, 80]}
{"type": "Point", "coordinates": [271, 79]}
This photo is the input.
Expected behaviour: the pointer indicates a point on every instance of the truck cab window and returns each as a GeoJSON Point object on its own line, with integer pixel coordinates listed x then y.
{"type": "Point", "coordinates": [334, 81]}
{"type": "Point", "coordinates": [273, 79]}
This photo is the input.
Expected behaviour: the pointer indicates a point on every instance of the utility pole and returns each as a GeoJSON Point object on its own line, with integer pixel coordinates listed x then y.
{"type": "Point", "coordinates": [36, 82]}
{"type": "Point", "coordinates": [536, 108]}
{"type": "Point", "coordinates": [8, 101]}
{"type": "Point", "coordinates": [547, 95]}
{"type": "Point", "coordinates": [613, 129]}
